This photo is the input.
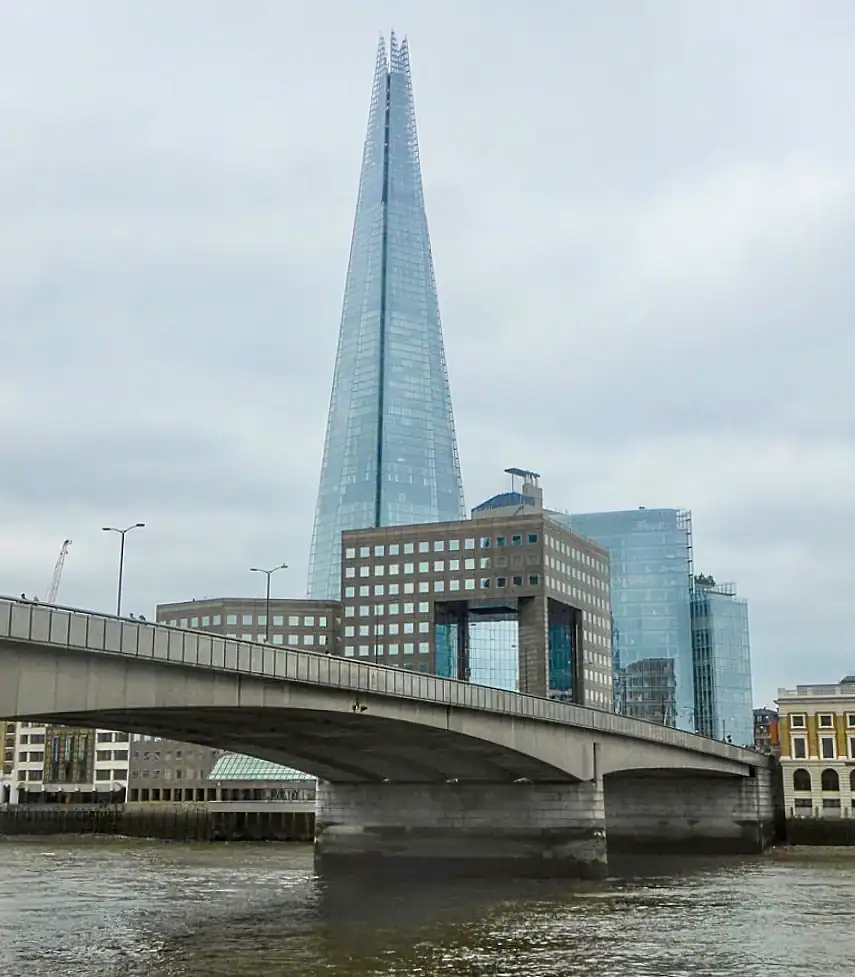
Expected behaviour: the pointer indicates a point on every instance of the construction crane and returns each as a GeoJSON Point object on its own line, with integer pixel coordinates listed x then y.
{"type": "Point", "coordinates": [57, 573]}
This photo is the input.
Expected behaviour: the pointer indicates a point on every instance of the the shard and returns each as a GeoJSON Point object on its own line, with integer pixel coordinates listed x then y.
{"type": "Point", "coordinates": [390, 455]}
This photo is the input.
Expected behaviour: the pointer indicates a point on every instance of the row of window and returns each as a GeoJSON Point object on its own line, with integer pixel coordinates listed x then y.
{"type": "Point", "coordinates": [825, 720]}
{"type": "Point", "coordinates": [827, 748]}
{"type": "Point", "coordinates": [277, 621]}
{"type": "Point", "coordinates": [438, 546]}
{"type": "Point", "coordinates": [31, 756]}
{"type": "Point", "coordinates": [574, 554]}
{"type": "Point", "coordinates": [431, 566]}
{"type": "Point", "coordinates": [188, 773]}
{"type": "Point", "coordinates": [442, 586]}
{"type": "Point", "coordinates": [599, 583]}
{"type": "Point", "coordinates": [408, 627]}
{"type": "Point", "coordinates": [394, 648]}
{"type": "Point", "coordinates": [576, 593]}
{"type": "Point", "coordinates": [103, 756]}
{"type": "Point", "coordinates": [829, 780]}
{"type": "Point", "coordinates": [307, 640]}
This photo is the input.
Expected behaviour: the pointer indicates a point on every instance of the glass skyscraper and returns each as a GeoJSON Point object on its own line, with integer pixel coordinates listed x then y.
{"type": "Point", "coordinates": [723, 706]}
{"type": "Point", "coordinates": [650, 552]}
{"type": "Point", "coordinates": [390, 454]}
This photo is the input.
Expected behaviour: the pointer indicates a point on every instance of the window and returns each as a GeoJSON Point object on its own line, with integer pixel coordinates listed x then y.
{"type": "Point", "coordinates": [850, 720]}
{"type": "Point", "coordinates": [350, 572]}
{"type": "Point", "coordinates": [364, 552]}
{"type": "Point", "coordinates": [206, 622]}
{"type": "Point", "coordinates": [278, 620]}
{"type": "Point", "coordinates": [439, 586]}
{"type": "Point", "coordinates": [409, 567]}
{"type": "Point", "coordinates": [183, 622]}
{"type": "Point", "coordinates": [231, 618]}
{"type": "Point", "coordinates": [364, 590]}
{"type": "Point", "coordinates": [500, 541]}
{"type": "Point", "coordinates": [469, 584]}
{"type": "Point", "coordinates": [826, 720]}
{"type": "Point", "coordinates": [518, 581]}
{"type": "Point", "coordinates": [246, 619]}
{"type": "Point", "coordinates": [394, 569]}
{"type": "Point", "coordinates": [826, 747]}
{"type": "Point", "coordinates": [439, 545]}
{"type": "Point", "coordinates": [485, 542]}
{"type": "Point", "coordinates": [409, 608]}
{"type": "Point", "coordinates": [516, 540]}
{"type": "Point", "coordinates": [394, 549]}
{"type": "Point", "coordinates": [424, 586]}
{"type": "Point", "coordinates": [454, 564]}
{"type": "Point", "coordinates": [363, 651]}
{"type": "Point", "coordinates": [308, 639]}
{"type": "Point", "coordinates": [365, 571]}
{"type": "Point", "coordinates": [801, 780]}
{"type": "Point", "coordinates": [424, 647]}
{"type": "Point", "coordinates": [364, 610]}
{"type": "Point", "coordinates": [501, 581]}
{"type": "Point", "coordinates": [485, 583]}
{"type": "Point", "coordinates": [350, 553]}
{"type": "Point", "coordinates": [852, 747]}
{"type": "Point", "coordinates": [469, 544]}
{"type": "Point", "coordinates": [797, 722]}
{"type": "Point", "coordinates": [830, 780]}
{"type": "Point", "coordinates": [485, 562]}
{"type": "Point", "coordinates": [262, 620]}
{"type": "Point", "coordinates": [409, 547]}
{"type": "Point", "coordinates": [349, 610]}
{"type": "Point", "coordinates": [278, 639]}
{"type": "Point", "coordinates": [454, 544]}
{"type": "Point", "coordinates": [246, 636]}
{"type": "Point", "coordinates": [424, 567]}
{"type": "Point", "coordinates": [532, 580]}
{"type": "Point", "coordinates": [293, 639]}
{"type": "Point", "coordinates": [293, 621]}
{"type": "Point", "coordinates": [379, 590]}
{"type": "Point", "coordinates": [438, 566]}
{"type": "Point", "coordinates": [424, 607]}
{"type": "Point", "coordinates": [379, 550]}
{"type": "Point", "coordinates": [394, 628]}
{"type": "Point", "coordinates": [350, 591]}
{"type": "Point", "coordinates": [394, 609]}
{"type": "Point", "coordinates": [393, 648]}
{"type": "Point", "coordinates": [469, 564]}
{"type": "Point", "coordinates": [532, 537]}
{"type": "Point", "coordinates": [454, 585]}
{"type": "Point", "coordinates": [408, 647]}
{"type": "Point", "coordinates": [852, 781]}
{"type": "Point", "coordinates": [408, 627]}
{"type": "Point", "coordinates": [424, 547]}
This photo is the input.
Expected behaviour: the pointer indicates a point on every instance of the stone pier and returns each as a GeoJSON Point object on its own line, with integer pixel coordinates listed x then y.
{"type": "Point", "coordinates": [690, 814]}
{"type": "Point", "coordinates": [520, 829]}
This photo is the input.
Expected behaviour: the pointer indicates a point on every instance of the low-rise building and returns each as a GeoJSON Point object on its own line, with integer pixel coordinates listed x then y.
{"type": "Point", "coordinates": [817, 740]}
{"type": "Point", "coordinates": [299, 623]}
{"type": "Point", "coordinates": [766, 739]}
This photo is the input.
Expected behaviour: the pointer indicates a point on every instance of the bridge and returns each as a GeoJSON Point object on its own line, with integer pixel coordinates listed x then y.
{"type": "Point", "coordinates": [411, 766]}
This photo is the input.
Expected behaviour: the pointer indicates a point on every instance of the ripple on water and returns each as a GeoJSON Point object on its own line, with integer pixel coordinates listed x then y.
{"type": "Point", "coordinates": [157, 910]}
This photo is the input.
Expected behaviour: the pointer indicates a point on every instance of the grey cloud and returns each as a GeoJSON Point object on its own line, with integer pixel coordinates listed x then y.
{"type": "Point", "coordinates": [641, 218]}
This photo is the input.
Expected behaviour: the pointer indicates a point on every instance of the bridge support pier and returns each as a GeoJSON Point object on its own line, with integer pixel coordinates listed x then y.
{"type": "Point", "coordinates": [704, 815]}
{"type": "Point", "coordinates": [555, 829]}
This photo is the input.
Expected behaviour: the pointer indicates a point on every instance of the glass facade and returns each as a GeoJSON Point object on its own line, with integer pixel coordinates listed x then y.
{"type": "Point", "coordinates": [723, 705]}
{"type": "Point", "coordinates": [390, 454]}
{"type": "Point", "coordinates": [650, 553]}
{"type": "Point", "coordinates": [235, 766]}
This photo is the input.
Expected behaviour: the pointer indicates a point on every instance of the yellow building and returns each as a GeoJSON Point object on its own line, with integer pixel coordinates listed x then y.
{"type": "Point", "coordinates": [817, 730]}
{"type": "Point", "coordinates": [7, 760]}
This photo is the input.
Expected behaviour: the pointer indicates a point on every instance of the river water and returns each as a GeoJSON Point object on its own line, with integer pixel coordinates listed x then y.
{"type": "Point", "coordinates": [100, 908]}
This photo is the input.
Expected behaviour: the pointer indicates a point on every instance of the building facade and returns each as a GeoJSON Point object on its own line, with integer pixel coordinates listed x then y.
{"type": "Point", "coordinates": [390, 453]}
{"type": "Point", "coordinates": [722, 662]}
{"type": "Point", "coordinates": [62, 764]}
{"type": "Point", "coordinates": [163, 770]}
{"type": "Point", "coordinates": [766, 739]}
{"type": "Point", "coordinates": [650, 554]}
{"type": "Point", "coordinates": [301, 623]}
{"type": "Point", "coordinates": [817, 734]}
{"type": "Point", "coordinates": [512, 601]}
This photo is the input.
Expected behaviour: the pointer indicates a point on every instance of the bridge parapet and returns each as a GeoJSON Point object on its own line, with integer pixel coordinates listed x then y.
{"type": "Point", "coordinates": [51, 626]}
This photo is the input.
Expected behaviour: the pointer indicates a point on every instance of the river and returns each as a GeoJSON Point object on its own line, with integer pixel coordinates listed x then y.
{"type": "Point", "coordinates": [105, 908]}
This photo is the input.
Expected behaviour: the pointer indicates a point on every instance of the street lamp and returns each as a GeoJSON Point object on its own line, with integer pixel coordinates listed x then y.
{"type": "Point", "coordinates": [268, 573]}
{"type": "Point", "coordinates": [122, 533]}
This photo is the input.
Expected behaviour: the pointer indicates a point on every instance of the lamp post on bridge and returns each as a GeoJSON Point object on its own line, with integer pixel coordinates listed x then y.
{"type": "Point", "coordinates": [268, 573]}
{"type": "Point", "coordinates": [122, 533]}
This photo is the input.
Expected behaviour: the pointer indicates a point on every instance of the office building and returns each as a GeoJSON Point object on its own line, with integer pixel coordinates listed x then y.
{"type": "Point", "coordinates": [650, 554]}
{"type": "Point", "coordinates": [61, 764]}
{"type": "Point", "coordinates": [766, 739]}
{"type": "Point", "coordinates": [390, 454]}
{"type": "Point", "coordinates": [817, 733]}
{"type": "Point", "coordinates": [513, 601]}
{"type": "Point", "coordinates": [163, 770]}
{"type": "Point", "coordinates": [303, 623]}
{"type": "Point", "coordinates": [722, 662]}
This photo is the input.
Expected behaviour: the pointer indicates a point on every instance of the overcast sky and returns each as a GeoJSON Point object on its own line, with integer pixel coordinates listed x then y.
{"type": "Point", "coordinates": [642, 217]}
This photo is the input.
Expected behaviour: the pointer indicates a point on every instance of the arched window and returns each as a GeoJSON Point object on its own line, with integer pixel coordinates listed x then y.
{"type": "Point", "coordinates": [852, 780]}
{"type": "Point", "coordinates": [801, 780]}
{"type": "Point", "coordinates": [830, 780]}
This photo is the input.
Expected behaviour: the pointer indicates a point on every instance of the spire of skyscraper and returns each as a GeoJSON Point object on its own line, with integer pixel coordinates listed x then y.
{"type": "Point", "coordinates": [390, 454]}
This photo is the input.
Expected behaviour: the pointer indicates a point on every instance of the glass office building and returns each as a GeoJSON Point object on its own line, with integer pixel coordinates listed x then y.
{"type": "Point", "coordinates": [390, 454]}
{"type": "Point", "coordinates": [650, 553]}
{"type": "Point", "coordinates": [723, 706]}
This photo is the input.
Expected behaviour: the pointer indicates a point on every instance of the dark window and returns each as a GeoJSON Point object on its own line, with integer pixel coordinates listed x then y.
{"type": "Point", "coordinates": [532, 537]}
{"type": "Point", "coordinates": [801, 780]}
{"type": "Point", "coordinates": [533, 580]}
{"type": "Point", "coordinates": [852, 780]}
{"type": "Point", "coordinates": [501, 581]}
{"type": "Point", "coordinates": [830, 780]}
{"type": "Point", "coordinates": [518, 581]}
{"type": "Point", "coordinates": [516, 540]}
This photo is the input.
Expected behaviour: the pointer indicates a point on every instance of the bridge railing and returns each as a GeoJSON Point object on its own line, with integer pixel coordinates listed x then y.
{"type": "Point", "coordinates": [64, 627]}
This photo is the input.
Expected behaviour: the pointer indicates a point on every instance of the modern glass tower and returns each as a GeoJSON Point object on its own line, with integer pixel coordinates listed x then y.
{"type": "Point", "coordinates": [650, 552]}
{"type": "Point", "coordinates": [722, 653]}
{"type": "Point", "coordinates": [390, 455]}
